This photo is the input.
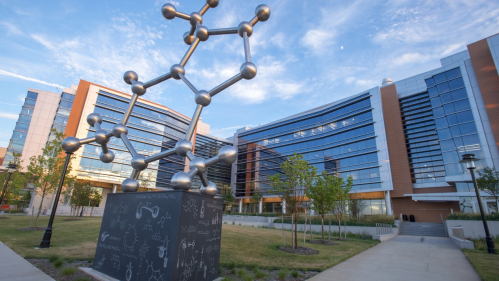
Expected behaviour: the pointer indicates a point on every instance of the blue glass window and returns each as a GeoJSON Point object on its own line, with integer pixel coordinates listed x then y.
{"type": "Point", "coordinates": [453, 73]}
{"type": "Point", "coordinates": [438, 112]}
{"type": "Point", "coordinates": [468, 128]}
{"type": "Point", "coordinates": [439, 78]}
{"type": "Point", "coordinates": [32, 95]}
{"type": "Point", "coordinates": [455, 131]}
{"type": "Point", "coordinates": [462, 105]}
{"type": "Point", "coordinates": [465, 116]}
{"type": "Point", "coordinates": [446, 98]}
{"type": "Point", "coordinates": [430, 82]}
{"type": "Point", "coordinates": [456, 83]}
{"type": "Point", "coordinates": [471, 140]}
{"type": "Point", "coordinates": [444, 134]}
{"type": "Point", "coordinates": [453, 169]}
{"type": "Point", "coordinates": [435, 102]}
{"type": "Point", "coordinates": [449, 108]}
{"type": "Point", "coordinates": [433, 92]}
{"type": "Point", "coordinates": [447, 145]}
{"type": "Point", "coordinates": [441, 123]}
{"type": "Point", "coordinates": [450, 157]}
{"type": "Point", "coordinates": [459, 94]}
{"type": "Point", "coordinates": [443, 87]}
{"type": "Point", "coordinates": [452, 119]}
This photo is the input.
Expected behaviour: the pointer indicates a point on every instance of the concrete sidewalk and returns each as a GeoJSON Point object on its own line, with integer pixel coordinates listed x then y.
{"type": "Point", "coordinates": [405, 258]}
{"type": "Point", "coordinates": [14, 268]}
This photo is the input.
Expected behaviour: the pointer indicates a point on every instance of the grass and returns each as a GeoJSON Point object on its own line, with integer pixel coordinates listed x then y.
{"type": "Point", "coordinates": [485, 264]}
{"type": "Point", "coordinates": [78, 240]}
{"type": "Point", "coordinates": [68, 271]}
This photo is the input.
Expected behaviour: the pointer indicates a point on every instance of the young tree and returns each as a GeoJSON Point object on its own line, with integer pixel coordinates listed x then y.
{"type": "Point", "coordinates": [16, 184]}
{"type": "Point", "coordinates": [81, 196]}
{"type": "Point", "coordinates": [228, 197]}
{"type": "Point", "coordinates": [291, 186]}
{"type": "Point", "coordinates": [342, 200]}
{"type": "Point", "coordinates": [95, 200]}
{"type": "Point", "coordinates": [145, 179]}
{"type": "Point", "coordinates": [44, 171]}
{"type": "Point", "coordinates": [489, 181]}
{"type": "Point", "coordinates": [357, 204]}
{"type": "Point", "coordinates": [256, 196]}
{"type": "Point", "coordinates": [323, 193]}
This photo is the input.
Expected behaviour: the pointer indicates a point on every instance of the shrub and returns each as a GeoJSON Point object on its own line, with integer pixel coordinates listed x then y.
{"type": "Point", "coordinates": [228, 278]}
{"type": "Point", "coordinates": [282, 274]}
{"type": "Point", "coordinates": [68, 271]}
{"type": "Point", "coordinates": [259, 274]}
{"type": "Point", "coordinates": [364, 221]}
{"type": "Point", "coordinates": [58, 263]}
{"type": "Point", "coordinates": [82, 279]}
{"type": "Point", "coordinates": [253, 267]}
{"type": "Point", "coordinates": [295, 274]}
{"type": "Point", "coordinates": [248, 278]}
{"type": "Point", "coordinates": [233, 271]}
{"type": "Point", "coordinates": [241, 272]}
{"type": "Point", "coordinates": [53, 258]}
{"type": "Point", "coordinates": [231, 265]}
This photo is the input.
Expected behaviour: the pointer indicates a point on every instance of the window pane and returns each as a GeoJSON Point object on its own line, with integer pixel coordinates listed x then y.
{"type": "Point", "coordinates": [439, 78]}
{"type": "Point", "coordinates": [453, 73]}
{"type": "Point", "coordinates": [438, 112]}
{"type": "Point", "coordinates": [468, 128]}
{"type": "Point", "coordinates": [446, 98]}
{"type": "Point", "coordinates": [450, 157]}
{"type": "Point", "coordinates": [449, 108]}
{"type": "Point", "coordinates": [455, 131]}
{"type": "Point", "coordinates": [433, 92]}
{"type": "Point", "coordinates": [459, 94]}
{"type": "Point", "coordinates": [452, 119]}
{"type": "Point", "coordinates": [444, 134]}
{"type": "Point", "coordinates": [447, 145]}
{"type": "Point", "coordinates": [462, 105]}
{"type": "Point", "coordinates": [441, 123]}
{"type": "Point", "coordinates": [435, 102]}
{"type": "Point", "coordinates": [456, 83]}
{"type": "Point", "coordinates": [443, 87]}
{"type": "Point", "coordinates": [430, 82]}
{"type": "Point", "coordinates": [465, 116]}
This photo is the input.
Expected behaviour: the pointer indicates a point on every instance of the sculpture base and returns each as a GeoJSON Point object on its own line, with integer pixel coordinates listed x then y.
{"type": "Point", "coordinates": [165, 235]}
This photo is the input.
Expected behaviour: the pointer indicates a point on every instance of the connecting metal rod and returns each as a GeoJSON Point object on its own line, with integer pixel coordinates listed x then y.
{"type": "Point", "coordinates": [160, 155]}
{"type": "Point", "coordinates": [192, 172]}
{"type": "Point", "coordinates": [204, 9]}
{"type": "Point", "coordinates": [203, 178]}
{"type": "Point", "coordinates": [128, 144]}
{"type": "Point", "coordinates": [247, 53]}
{"type": "Point", "coordinates": [189, 52]}
{"type": "Point", "coordinates": [104, 148]}
{"type": "Point", "coordinates": [192, 30]}
{"type": "Point", "coordinates": [222, 31]}
{"type": "Point", "coordinates": [97, 126]}
{"type": "Point", "coordinates": [253, 21]}
{"type": "Point", "coordinates": [188, 83]}
{"type": "Point", "coordinates": [110, 134]}
{"type": "Point", "coordinates": [87, 140]}
{"type": "Point", "coordinates": [157, 80]}
{"type": "Point", "coordinates": [135, 174]}
{"type": "Point", "coordinates": [129, 109]}
{"type": "Point", "coordinates": [226, 84]}
{"type": "Point", "coordinates": [190, 155]}
{"type": "Point", "coordinates": [211, 161]}
{"type": "Point", "coordinates": [194, 122]}
{"type": "Point", "coordinates": [183, 16]}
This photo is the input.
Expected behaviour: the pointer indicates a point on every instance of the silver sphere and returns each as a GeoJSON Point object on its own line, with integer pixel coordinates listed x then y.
{"type": "Point", "coordinates": [129, 76]}
{"type": "Point", "coordinates": [107, 157]}
{"type": "Point", "coordinates": [210, 190]}
{"type": "Point", "coordinates": [182, 181]}
{"type": "Point", "coordinates": [70, 144]}
{"type": "Point", "coordinates": [245, 27]}
{"type": "Point", "coordinates": [139, 162]}
{"type": "Point", "coordinates": [198, 163]}
{"type": "Point", "coordinates": [212, 3]}
{"type": "Point", "coordinates": [119, 129]}
{"type": "Point", "coordinates": [203, 98]}
{"type": "Point", "coordinates": [92, 118]}
{"type": "Point", "coordinates": [188, 39]}
{"type": "Point", "coordinates": [182, 147]}
{"type": "Point", "coordinates": [175, 69]}
{"type": "Point", "coordinates": [202, 33]}
{"type": "Point", "coordinates": [227, 154]}
{"type": "Point", "coordinates": [100, 137]}
{"type": "Point", "coordinates": [248, 70]}
{"type": "Point", "coordinates": [138, 88]}
{"type": "Point", "coordinates": [262, 12]}
{"type": "Point", "coordinates": [196, 17]}
{"type": "Point", "coordinates": [168, 11]}
{"type": "Point", "coordinates": [130, 185]}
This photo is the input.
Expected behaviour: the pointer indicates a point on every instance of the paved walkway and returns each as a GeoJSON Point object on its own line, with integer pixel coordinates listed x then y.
{"type": "Point", "coordinates": [405, 258]}
{"type": "Point", "coordinates": [14, 268]}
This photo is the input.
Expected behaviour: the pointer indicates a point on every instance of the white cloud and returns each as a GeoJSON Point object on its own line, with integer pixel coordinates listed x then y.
{"type": "Point", "coordinates": [228, 131]}
{"type": "Point", "coordinates": [318, 40]}
{"type": "Point", "coordinates": [411, 58]}
{"type": "Point", "coordinates": [6, 73]}
{"type": "Point", "coordinates": [11, 28]}
{"type": "Point", "coordinates": [9, 115]}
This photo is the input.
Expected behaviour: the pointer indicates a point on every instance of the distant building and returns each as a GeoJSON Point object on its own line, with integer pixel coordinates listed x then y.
{"type": "Point", "coordinates": [400, 142]}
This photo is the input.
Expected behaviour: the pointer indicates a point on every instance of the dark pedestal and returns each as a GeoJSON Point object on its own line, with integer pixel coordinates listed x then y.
{"type": "Point", "coordinates": [166, 235]}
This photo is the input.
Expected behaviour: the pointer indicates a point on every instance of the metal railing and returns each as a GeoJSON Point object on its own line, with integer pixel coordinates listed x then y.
{"type": "Point", "coordinates": [383, 228]}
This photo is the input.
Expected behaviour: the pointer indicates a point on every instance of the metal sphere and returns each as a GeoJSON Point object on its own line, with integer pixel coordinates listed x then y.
{"type": "Point", "coordinates": [212, 3]}
{"type": "Point", "coordinates": [196, 17]}
{"type": "Point", "coordinates": [198, 163]}
{"type": "Point", "coordinates": [129, 76]}
{"type": "Point", "coordinates": [227, 154]}
{"type": "Point", "coordinates": [107, 157]}
{"type": "Point", "coordinates": [138, 88]}
{"type": "Point", "coordinates": [168, 11]}
{"type": "Point", "coordinates": [262, 12]}
{"type": "Point", "coordinates": [139, 162]}
{"type": "Point", "coordinates": [175, 69]}
{"type": "Point", "coordinates": [245, 27]}
{"type": "Point", "coordinates": [92, 118]}
{"type": "Point", "coordinates": [70, 144]}
{"type": "Point", "coordinates": [130, 185]}
{"type": "Point", "coordinates": [182, 181]}
{"type": "Point", "coordinates": [248, 70]}
{"type": "Point", "coordinates": [182, 147]}
{"type": "Point", "coordinates": [100, 137]}
{"type": "Point", "coordinates": [203, 98]}
{"type": "Point", "coordinates": [188, 39]}
{"type": "Point", "coordinates": [202, 33]}
{"type": "Point", "coordinates": [119, 129]}
{"type": "Point", "coordinates": [210, 190]}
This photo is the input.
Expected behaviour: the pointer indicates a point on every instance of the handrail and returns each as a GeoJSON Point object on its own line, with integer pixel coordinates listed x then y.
{"type": "Point", "coordinates": [443, 224]}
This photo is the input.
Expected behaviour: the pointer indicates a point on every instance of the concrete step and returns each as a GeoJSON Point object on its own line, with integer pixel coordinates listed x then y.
{"type": "Point", "coordinates": [422, 229]}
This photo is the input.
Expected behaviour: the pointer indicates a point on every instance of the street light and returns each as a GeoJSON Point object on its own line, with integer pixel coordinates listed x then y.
{"type": "Point", "coordinates": [470, 159]}
{"type": "Point", "coordinates": [11, 169]}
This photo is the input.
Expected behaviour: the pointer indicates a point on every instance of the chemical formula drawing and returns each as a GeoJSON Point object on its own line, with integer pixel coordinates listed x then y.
{"type": "Point", "coordinates": [154, 210]}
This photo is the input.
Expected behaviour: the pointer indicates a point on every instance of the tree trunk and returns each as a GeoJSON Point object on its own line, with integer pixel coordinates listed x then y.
{"type": "Point", "coordinates": [292, 225]}
{"type": "Point", "coordinates": [296, 231]}
{"type": "Point", "coordinates": [311, 231]}
{"type": "Point", "coordinates": [322, 217]}
{"type": "Point", "coordinates": [39, 210]}
{"type": "Point", "coordinates": [329, 232]}
{"type": "Point", "coordinates": [345, 224]}
{"type": "Point", "coordinates": [283, 237]}
{"type": "Point", "coordinates": [304, 230]}
{"type": "Point", "coordinates": [339, 226]}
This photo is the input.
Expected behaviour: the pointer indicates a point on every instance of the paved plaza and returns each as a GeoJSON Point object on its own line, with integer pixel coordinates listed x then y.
{"type": "Point", "coordinates": [405, 258]}
{"type": "Point", "coordinates": [14, 268]}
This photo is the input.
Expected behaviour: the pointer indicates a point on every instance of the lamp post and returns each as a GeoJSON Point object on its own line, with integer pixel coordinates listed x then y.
{"type": "Point", "coordinates": [11, 169]}
{"type": "Point", "coordinates": [48, 231]}
{"type": "Point", "coordinates": [470, 159]}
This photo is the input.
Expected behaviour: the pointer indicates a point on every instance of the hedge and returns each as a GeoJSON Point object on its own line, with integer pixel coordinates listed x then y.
{"type": "Point", "coordinates": [335, 222]}
{"type": "Point", "coordinates": [472, 217]}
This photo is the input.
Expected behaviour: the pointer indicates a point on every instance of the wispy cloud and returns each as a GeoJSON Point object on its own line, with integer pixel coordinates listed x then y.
{"type": "Point", "coordinates": [11, 28]}
{"type": "Point", "coordinates": [6, 73]}
{"type": "Point", "coordinates": [9, 115]}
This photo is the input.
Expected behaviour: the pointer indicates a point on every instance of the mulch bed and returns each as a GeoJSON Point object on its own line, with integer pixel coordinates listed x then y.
{"type": "Point", "coordinates": [271, 274]}
{"type": "Point", "coordinates": [32, 228]}
{"type": "Point", "coordinates": [299, 251]}
{"type": "Point", "coordinates": [325, 242]}
{"type": "Point", "coordinates": [72, 220]}
{"type": "Point", "coordinates": [2, 217]}
{"type": "Point", "coordinates": [45, 266]}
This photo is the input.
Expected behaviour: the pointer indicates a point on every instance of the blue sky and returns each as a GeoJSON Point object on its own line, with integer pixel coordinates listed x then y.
{"type": "Point", "coordinates": [308, 53]}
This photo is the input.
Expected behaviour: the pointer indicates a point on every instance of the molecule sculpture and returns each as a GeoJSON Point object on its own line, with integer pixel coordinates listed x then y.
{"type": "Point", "coordinates": [184, 147]}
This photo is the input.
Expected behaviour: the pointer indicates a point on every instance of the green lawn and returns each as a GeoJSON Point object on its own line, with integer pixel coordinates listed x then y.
{"type": "Point", "coordinates": [485, 264]}
{"type": "Point", "coordinates": [244, 246]}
